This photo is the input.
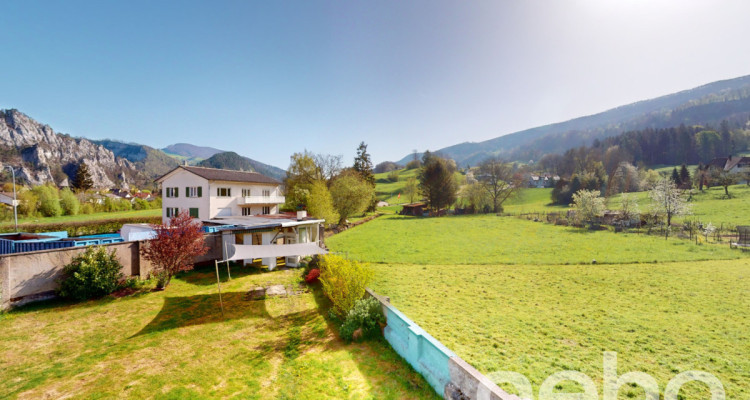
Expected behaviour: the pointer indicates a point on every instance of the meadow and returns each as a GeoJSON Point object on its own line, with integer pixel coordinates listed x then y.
{"type": "Point", "coordinates": [661, 319]}
{"type": "Point", "coordinates": [508, 294]}
{"type": "Point", "coordinates": [489, 239]}
{"type": "Point", "coordinates": [175, 344]}
{"type": "Point", "coordinates": [83, 217]}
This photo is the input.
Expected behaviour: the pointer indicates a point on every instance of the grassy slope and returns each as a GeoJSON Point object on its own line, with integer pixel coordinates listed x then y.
{"type": "Point", "coordinates": [388, 191]}
{"type": "Point", "coordinates": [661, 319]}
{"type": "Point", "coordinates": [88, 217]}
{"type": "Point", "coordinates": [175, 345]}
{"type": "Point", "coordinates": [488, 239]}
{"type": "Point", "coordinates": [711, 205]}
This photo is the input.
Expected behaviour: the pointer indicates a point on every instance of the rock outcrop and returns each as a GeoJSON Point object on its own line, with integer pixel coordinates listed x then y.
{"type": "Point", "coordinates": [40, 155]}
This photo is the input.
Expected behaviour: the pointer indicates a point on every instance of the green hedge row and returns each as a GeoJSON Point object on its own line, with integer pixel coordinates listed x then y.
{"type": "Point", "coordinates": [81, 228]}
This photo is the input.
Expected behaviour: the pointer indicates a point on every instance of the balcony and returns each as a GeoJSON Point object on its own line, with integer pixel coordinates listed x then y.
{"type": "Point", "coordinates": [273, 199]}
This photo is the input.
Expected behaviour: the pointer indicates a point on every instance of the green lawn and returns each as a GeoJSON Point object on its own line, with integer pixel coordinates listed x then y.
{"type": "Point", "coordinates": [711, 205]}
{"type": "Point", "coordinates": [532, 200]}
{"type": "Point", "coordinates": [488, 239]}
{"type": "Point", "coordinates": [85, 217]}
{"type": "Point", "coordinates": [175, 344]}
{"type": "Point", "coordinates": [661, 319]}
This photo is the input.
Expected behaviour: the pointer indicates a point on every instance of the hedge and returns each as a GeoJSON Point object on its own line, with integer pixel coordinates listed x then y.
{"type": "Point", "coordinates": [82, 228]}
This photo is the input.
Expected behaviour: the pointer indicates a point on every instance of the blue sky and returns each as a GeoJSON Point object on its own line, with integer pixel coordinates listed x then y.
{"type": "Point", "coordinates": [266, 79]}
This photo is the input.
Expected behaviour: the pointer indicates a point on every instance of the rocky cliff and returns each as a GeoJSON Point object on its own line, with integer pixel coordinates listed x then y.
{"type": "Point", "coordinates": [40, 155]}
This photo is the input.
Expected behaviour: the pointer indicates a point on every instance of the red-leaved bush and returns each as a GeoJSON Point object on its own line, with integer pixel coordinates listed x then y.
{"type": "Point", "coordinates": [312, 276]}
{"type": "Point", "coordinates": [174, 248]}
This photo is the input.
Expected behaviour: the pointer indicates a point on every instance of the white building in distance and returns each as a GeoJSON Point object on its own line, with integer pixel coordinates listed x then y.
{"type": "Point", "coordinates": [208, 193]}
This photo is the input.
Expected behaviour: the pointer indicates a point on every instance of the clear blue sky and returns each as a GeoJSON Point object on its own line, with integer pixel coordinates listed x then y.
{"type": "Point", "coordinates": [267, 79]}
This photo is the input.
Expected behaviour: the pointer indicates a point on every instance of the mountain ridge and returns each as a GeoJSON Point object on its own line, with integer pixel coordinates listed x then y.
{"type": "Point", "coordinates": [650, 113]}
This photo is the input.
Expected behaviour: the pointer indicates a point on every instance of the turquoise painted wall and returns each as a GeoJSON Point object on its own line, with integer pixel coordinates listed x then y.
{"type": "Point", "coordinates": [424, 353]}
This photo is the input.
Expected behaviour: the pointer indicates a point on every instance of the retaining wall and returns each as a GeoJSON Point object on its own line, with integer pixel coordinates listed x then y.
{"type": "Point", "coordinates": [27, 277]}
{"type": "Point", "coordinates": [448, 374]}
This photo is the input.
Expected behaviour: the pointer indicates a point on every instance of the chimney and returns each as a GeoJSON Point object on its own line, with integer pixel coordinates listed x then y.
{"type": "Point", "coordinates": [301, 214]}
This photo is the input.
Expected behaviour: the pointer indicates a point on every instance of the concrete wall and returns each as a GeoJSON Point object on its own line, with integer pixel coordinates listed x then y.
{"type": "Point", "coordinates": [448, 374]}
{"type": "Point", "coordinates": [27, 277]}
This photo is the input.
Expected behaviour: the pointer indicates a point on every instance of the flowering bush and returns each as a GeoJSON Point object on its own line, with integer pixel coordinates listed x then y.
{"type": "Point", "coordinates": [312, 276]}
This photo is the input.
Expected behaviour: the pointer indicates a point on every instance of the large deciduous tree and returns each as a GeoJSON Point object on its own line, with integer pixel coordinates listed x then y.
{"type": "Point", "coordinates": [589, 206]}
{"type": "Point", "coordinates": [437, 183]}
{"type": "Point", "coordinates": [499, 180]}
{"type": "Point", "coordinates": [320, 203]}
{"type": "Point", "coordinates": [668, 200]}
{"type": "Point", "coordinates": [351, 195]}
{"type": "Point", "coordinates": [174, 248]}
{"type": "Point", "coordinates": [723, 179]}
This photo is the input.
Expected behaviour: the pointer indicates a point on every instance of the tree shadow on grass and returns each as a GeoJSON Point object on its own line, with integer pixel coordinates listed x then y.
{"type": "Point", "coordinates": [202, 309]}
{"type": "Point", "coordinates": [205, 275]}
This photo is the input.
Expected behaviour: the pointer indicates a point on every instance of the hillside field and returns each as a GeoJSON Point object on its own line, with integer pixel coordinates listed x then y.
{"type": "Point", "coordinates": [489, 239]}
{"type": "Point", "coordinates": [498, 292]}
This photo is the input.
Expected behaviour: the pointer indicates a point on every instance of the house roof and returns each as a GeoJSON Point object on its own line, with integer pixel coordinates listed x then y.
{"type": "Point", "coordinates": [214, 174]}
{"type": "Point", "coordinates": [734, 161]}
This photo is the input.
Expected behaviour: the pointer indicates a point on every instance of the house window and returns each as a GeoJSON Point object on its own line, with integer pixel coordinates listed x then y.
{"type": "Point", "coordinates": [194, 212]}
{"type": "Point", "coordinates": [266, 193]}
{"type": "Point", "coordinates": [246, 211]}
{"type": "Point", "coordinates": [246, 193]}
{"type": "Point", "coordinates": [224, 192]}
{"type": "Point", "coordinates": [172, 212]}
{"type": "Point", "coordinates": [171, 192]}
{"type": "Point", "coordinates": [193, 191]}
{"type": "Point", "coordinates": [266, 210]}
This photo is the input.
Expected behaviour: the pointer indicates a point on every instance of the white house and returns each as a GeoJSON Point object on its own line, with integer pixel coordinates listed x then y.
{"type": "Point", "coordinates": [208, 193]}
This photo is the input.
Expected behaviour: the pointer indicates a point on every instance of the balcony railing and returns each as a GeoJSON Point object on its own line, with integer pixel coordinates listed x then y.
{"type": "Point", "coordinates": [273, 199]}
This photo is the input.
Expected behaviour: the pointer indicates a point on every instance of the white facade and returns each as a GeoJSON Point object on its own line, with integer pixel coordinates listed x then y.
{"type": "Point", "coordinates": [207, 199]}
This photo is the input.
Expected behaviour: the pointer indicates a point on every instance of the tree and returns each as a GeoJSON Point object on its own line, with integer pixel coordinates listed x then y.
{"type": "Point", "coordinates": [701, 175]}
{"type": "Point", "coordinates": [499, 181]}
{"type": "Point", "coordinates": [411, 189]}
{"type": "Point", "coordinates": [329, 166]}
{"type": "Point", "coordinates": [363, 164]}
{"type": "Point", "coordinates": [723, 178]}
{"type": "Point", "coordinates": [320, 203]}
{"type": "Point", "coordinates": [69, 202]}
{"type": "Point", "coordinates": [174, 248]}
{"type": "Point", "coordinates": [475, 198]}
{"type": "Point", "coordinates": [302, 172]}
{"type": "Point", "coordinates": [437, 183]}
{"type": "Point", "coordinates": [589, 206]}
{"type": "Point", "coordinates": [351, 195]}
{"type": "Point", "coordinates": [676, 177]}
{"type": "Point", "coordinates": [49, 200]}
{"type": "Point", "coordinates": [82, 180]}
{"type": "Point", "coordinates": [629, 207]}
{"type": "Point", "coordinates": [668, 200]}
{"type": "Point", "coordinates": [687, 183]}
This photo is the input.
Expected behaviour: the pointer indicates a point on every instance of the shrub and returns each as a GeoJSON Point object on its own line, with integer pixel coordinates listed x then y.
{"type": "Point", "coordinates": [365, 317]}
{"type": "Point", "coordinates": [344, 281]}
{"type": "Point", "coordinates": [312, 276]}
{"type": "Point", "coordinates": [87, 208]}
{"type": "Point", "coordinates": [93, 273]}
{"type": "Point", "coordinates": [69, 202]}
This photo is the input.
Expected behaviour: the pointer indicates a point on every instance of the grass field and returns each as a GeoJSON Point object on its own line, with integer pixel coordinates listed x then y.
{"type": "Point", "coordinates": [176, 345]}
{"type": "Point", "coordinates": [85, 217]}
{"type": "Point", "coordinates": [388, 191]}
{"type": "Point", "coordinates": [661, 319]}
{"type": "Point", "coordinates": [488, 239]}
{"type": "Point", "coordinates": [711, 205]}
{"type": "Point", "coordinates": [496, 290]}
